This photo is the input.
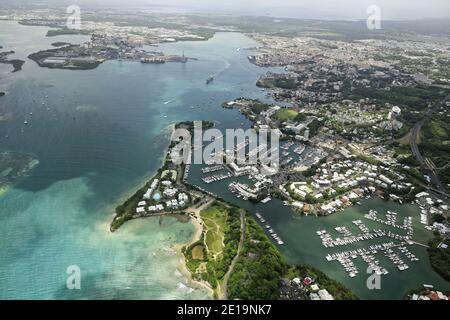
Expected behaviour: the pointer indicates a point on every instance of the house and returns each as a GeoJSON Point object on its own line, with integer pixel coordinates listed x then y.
{"type": "Point", "coordinates": [140, 210]}
{"type": "Point", "coordinates": [307, 281]}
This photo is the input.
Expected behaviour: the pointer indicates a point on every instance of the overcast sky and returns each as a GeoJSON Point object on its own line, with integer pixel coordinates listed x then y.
{"type": "Point", "coordinates": [315, 9]}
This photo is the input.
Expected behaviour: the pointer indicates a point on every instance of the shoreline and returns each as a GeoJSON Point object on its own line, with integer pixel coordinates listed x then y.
{"type": "Point", "coordinates": [177, 247]}
{"type": "Point", "coordinates": [198, 230]}
{"type": "Point", "coordinates": [127, 194]}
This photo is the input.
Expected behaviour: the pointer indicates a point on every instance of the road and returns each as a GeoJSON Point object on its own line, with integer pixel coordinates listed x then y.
{"type": "Point", "coordinates": [416, 152]}
{"type": "Point", "coordinates": [231, 268]}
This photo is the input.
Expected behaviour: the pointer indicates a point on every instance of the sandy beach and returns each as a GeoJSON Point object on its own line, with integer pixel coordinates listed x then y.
{"type": "Point", "coordinates": [198, 227]}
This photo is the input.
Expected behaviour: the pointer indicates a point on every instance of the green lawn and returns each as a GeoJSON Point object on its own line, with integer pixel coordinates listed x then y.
{"type": "Point", "coordinates": [286, 114]}
{"type": "Point", "coordinates": [437, 130]}
{"type": "Point", "coordinates": [215, 218]}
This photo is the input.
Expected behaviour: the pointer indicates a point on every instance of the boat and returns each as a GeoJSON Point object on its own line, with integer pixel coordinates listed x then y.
{"type": "Point", "coordinates": [209, 80]}
{"type": "Point", "coordinates": [156, 60]}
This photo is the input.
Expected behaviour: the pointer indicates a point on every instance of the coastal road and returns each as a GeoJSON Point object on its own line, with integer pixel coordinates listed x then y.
{"type": "Point", "coordinates": [416, 152]}
{"type": "Point", "coordinates": [231, 268]}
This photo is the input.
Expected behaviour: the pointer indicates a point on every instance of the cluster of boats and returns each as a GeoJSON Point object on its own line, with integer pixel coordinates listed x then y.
{"type": "Point", "coordinates": [217, 177]}
{"type": "Point", "coordinates": [368, 256]}
{"type": "Point", "coordinates": [329, 242]}
{"type": "Point", "coordinates": [272, 233]}
{"type": "Point", "coordinates": [344, 231]}
{"type": "Point", "coordinates": [361, 226]}
{"type": "Point", "coordinates": [392, 256]}
{"type": "Point", "coordinates": [423, 217]}
{"type": "Point", "coordinates": [287, 145]}
{"type": "Point", "coordinates": [287, 161]}
{"type": "Point", "coordinates": [207, 192]}
{"type": "Point", "coordinates": [349, 266]}
{"type": "Point", "coordinates": [411, 256]}
{"type": "Point", "coordinates": [240, 190]}
{"type": "Point", "coordinates": [391, 220]}
{"type": "Point", "coordinates": [186, 172]}
{"type": "Point", "coordinates": [395, 236]}
{"type": "Point", "coordinates": [300, 149]}
{"type": "Point", "coordinates": [373, 264]}
{"type": "Point", "coordinates": [212, 168]}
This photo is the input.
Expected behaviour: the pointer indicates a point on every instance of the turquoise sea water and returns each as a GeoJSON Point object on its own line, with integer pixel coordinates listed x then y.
{"type": "Point", "coordinates": [98, 135]}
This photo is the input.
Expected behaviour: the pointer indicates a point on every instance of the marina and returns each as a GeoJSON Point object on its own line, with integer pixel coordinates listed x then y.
{"type": "Point", "coordinates": [301, 244]}
{"type": "Point", "coordinates": [217, 177]}
{"type": "Point", "coordinates": [212, 168]}
{"type": "Point", "coordinates": [269, 229]}
{"type": "Point", "coordinates": [368, 255]}
{"type": "Point", "coordinates": [393, 251]}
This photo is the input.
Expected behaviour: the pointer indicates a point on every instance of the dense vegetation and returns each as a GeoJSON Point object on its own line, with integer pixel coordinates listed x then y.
{"type": "Point", "coordinates": [414, 98]}
{"type": "Point", "coordinates": [65, 31]}
{"type": "Point", "coordinates": [435, 144]}
{"type": "Point", "coordinates": [278, 82]}
{"type": "Point", "coordinates": [259, 268]}
{"type": "Point", "coordinates": [440, 258]}
{"type": "Point", "coordinates": [219, 242]}
{"type": "Point", "coordinates": [257, 106]}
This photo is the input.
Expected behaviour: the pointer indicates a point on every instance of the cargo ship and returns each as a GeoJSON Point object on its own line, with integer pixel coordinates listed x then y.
{"type": "Point", "coordinates": [153, 60]}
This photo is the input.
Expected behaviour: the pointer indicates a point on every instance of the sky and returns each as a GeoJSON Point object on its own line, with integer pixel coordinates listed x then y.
{"type": "Point", "coordinates": [305, 9]}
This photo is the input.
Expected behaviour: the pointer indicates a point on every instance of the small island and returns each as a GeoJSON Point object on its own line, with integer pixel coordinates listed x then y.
{"type": "Point", "coordinates": [16, 63]}
{"type": "Point", "coordinates": [66, 57]}
{"type": "Point", "coordinates": [66, 31]}
{"type": "Point", "coordinates": [60, 44]}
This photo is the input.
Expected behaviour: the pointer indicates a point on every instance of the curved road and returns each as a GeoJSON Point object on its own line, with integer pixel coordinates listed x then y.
{"type": "Point", "coordinates": [415, 149]}
{"type": "Point", "coordinates": [231, 268]}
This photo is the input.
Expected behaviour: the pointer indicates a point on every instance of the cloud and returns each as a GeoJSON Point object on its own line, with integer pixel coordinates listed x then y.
{"type": "Point", "coordinates": [307, 9]}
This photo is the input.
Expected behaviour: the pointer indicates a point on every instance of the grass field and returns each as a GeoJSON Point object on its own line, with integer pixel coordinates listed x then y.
{"type": "Point", "coordinates": [286, 114]}
{"type": "Point", "coordinates": [214, 218]}
{"type": "Point", "coordinates": [209, 258]}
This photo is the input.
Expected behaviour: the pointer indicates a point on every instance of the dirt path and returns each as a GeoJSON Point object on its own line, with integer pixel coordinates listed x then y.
{"type": "Point", "coordinates": [224, 291]}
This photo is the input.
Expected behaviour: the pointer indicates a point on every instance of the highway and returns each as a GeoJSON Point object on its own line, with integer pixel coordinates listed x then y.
{"type": "Point", "coordinates": [416, 152]}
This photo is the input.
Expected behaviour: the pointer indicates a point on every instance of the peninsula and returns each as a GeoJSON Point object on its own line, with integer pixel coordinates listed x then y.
{"type": "Point", "coordinates": [230, 253]}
